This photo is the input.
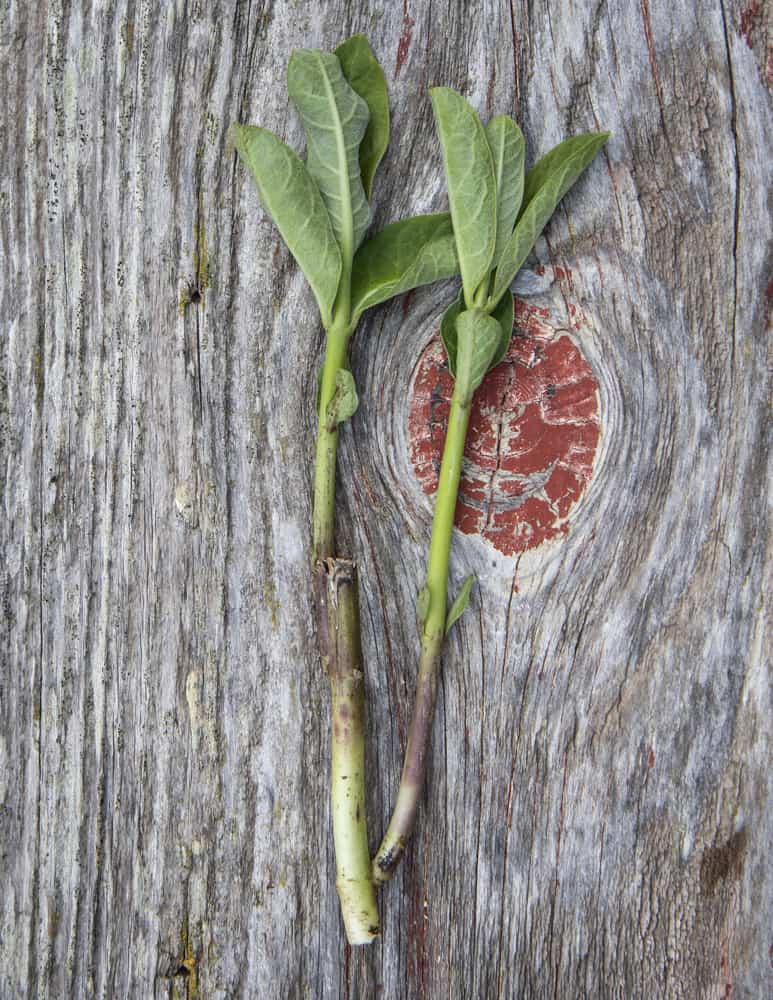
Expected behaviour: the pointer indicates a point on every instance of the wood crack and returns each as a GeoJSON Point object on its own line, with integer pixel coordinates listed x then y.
{"type": "Point", "coordinates": [737, 203]}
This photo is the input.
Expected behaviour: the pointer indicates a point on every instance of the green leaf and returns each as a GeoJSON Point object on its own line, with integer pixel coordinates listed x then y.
{"type": "Point", "coordinates": [546, 184]}
{"type": "Point", "coordinates": [402, 256]}
{"type": "Point", "coordinates": [508, 148]}
{"type": "Point", "coordinates": [460, 603]}
{"type": "Point", "coordinates": [344, 402]}
{"type": "Point", "coordinates": [448, 330]}
{"type": "Point", "coordinates": [579, 147]}
{"type": "Point", "coordinates": [503, 314]}
{"type": "Point", "coordinates": [472, 190]}
{"type": "Point", "coordinates": [478, 337]}
{"type": "Point", "coordinates": [334, 120]}
{"type": "Point", "coordinates": [293, 201]}
{"type": "Point", "coordinates": [422, 604]}
{"type": "Point", "coordinates": [318, 394]}
{"type": "Point", "coordinates": [366, 78]}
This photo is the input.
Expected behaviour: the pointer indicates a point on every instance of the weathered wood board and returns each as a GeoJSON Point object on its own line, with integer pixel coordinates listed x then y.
{"type": "Point", "coordinates": [598, 820]}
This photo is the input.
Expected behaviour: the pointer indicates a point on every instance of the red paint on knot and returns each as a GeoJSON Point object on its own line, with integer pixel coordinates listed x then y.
{"type": "Point", "coordinates": [532, 439]}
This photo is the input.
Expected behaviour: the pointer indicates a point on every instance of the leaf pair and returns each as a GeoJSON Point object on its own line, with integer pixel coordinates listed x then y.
{"type": "Point", "coordinates": [497, 216]}
{"type": "Point", "coordinates": [546, 184]}
{"type": "Point", "coordinates": [321, 208]}
{"type": "Point", "coordinates": [456, 610]}
{"type": "Point", "coordinates": [494, 340]}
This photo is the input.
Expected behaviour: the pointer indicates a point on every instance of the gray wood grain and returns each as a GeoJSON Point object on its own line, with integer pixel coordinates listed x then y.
{"type": "Point", "coordinates": [598, 820]}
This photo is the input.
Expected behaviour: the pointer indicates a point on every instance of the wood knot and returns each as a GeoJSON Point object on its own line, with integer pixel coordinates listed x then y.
{"type": "Point", "coordinates": [532, 439]}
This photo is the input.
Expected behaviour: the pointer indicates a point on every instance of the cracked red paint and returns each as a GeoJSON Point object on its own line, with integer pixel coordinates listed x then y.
{"type": "Point", "coordinates": [532, 439]}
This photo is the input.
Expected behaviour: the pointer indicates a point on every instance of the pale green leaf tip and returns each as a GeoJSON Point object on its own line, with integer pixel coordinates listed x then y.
{"type": "Point", "coordinates": [460, 602]}
{"type": "Point", "coordinates": [357, 37]}
{"type": "Point", "coordinates": [235, 134]}
{"type": "Point", "coordinates": [345, 400]}
{"type": "Point", "coordinates": [238, 135]}
{"type": "Point", "coordinates": [435, 92]}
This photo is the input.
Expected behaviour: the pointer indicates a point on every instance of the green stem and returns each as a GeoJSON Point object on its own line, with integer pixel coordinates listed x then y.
{"type": "Point", "coordinates": [415, 764]}
{"type": "Point", "coordinates": [323, 519]}
{"type": "Point", "coordinates": [338, 630]}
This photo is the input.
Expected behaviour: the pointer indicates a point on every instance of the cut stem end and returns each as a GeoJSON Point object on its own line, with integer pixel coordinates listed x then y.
{"type": "Point", "coordinates": [338, 627]}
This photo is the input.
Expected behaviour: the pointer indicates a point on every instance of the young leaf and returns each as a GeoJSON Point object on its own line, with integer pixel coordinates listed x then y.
{"type": "Point", "coordinates": [366, 78]}
{"type": "Point", "coordinates": [334, 120]}
{"type": "Point", "coordinates": [402, 256]}
{"type": "Point", "coordinates": [545, 186]}
{"type": "Point", "coordinates": [448, 332]}
{"type": "Point", "coordinates": [507, 146]}
{"type": "Point", "coordinates": [478, 338]}
{"type": "Point", "coordinates": [472, 189]}
{"type": "Point", "coordinates": [584, 146]}
{"type": "Point", "coordinates": [293, 201]}
{"type": "Point", "coordinates": [318, 391]}
{"type": "Point", "coordinates": [460, 602]}
{"type": "Point", "coordinates": [344, 402]}
{"type": "Point", "coordinates": [504, 315]}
